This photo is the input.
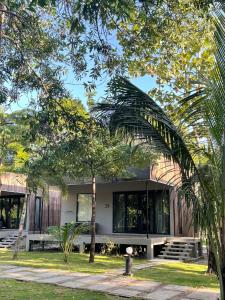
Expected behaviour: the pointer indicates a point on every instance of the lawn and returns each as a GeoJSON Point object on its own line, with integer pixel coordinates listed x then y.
{"type": "Point", "coordinates": [17, 290]}
{"type": "Point", "coordinates": [54, 260]}
{"type": "Point", "coordinates": [179, 273]}
{"type": "Point", "coordinates": [189, 274]}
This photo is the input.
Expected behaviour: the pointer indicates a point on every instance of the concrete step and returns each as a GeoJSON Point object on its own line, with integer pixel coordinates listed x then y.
{"type": "Point", "coordinates": [179, 248]}
{"type": "Point", "coordinates": [8, 241]}
{"type": "Point", "coordinates": [175, 253]}
{"type": "Point", "coordinates": [180, 245]}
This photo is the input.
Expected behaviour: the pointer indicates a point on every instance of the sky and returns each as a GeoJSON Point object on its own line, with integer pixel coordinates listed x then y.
{"type": "Point", "coordinates": [77, 90]}
{"type": "Point", "coordinates": [145, 83]}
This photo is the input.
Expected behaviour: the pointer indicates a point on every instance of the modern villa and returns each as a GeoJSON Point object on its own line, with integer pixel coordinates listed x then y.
{"type": "Point", "coordinates": [143, 210]}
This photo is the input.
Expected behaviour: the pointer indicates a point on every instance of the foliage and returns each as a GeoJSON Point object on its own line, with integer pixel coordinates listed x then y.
{"type": "Point", "coordinates": [29, 49]}
{"type": "Point", "coordinates": [137, 114]}
{"type": "Point", "coordinates": [70, 143]}
{"type": "Point", "coordinates": [109, 248]}
{"type": "Point", "coordinates": [67, 235]}
{"type": "Point", "coordinates": [13, 146]}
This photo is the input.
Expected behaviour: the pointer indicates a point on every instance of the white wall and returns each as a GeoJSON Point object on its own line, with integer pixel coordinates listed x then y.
{"type": "Point", "coordinates": [104, 201]}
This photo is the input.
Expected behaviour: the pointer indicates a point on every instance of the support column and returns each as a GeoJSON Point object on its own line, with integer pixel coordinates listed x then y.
{"type": "Point", "coordinates": [150, 250]}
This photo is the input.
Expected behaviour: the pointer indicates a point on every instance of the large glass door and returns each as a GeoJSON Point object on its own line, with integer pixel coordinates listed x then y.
{"type": "Point", "coordinates": [134, 213]}
{"type": "Point", "coordinates": [132, 207]}
{"type": "Point", "coordinates": [129, 215]}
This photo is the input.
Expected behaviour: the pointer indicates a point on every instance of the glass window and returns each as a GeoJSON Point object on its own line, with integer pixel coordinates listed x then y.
{"type": "Point", "coordinates": [84, 207]}
{"type": "Point", "coordinates": [38, 213]}
{"type": "Point", "coordinates": [10, 212]}
{"type": "Point", "coordinates": [162, 212]}
{"type": "Point", "coordinates": [130, 212]}
{"type": "Point", "coordinates": [119, 213]}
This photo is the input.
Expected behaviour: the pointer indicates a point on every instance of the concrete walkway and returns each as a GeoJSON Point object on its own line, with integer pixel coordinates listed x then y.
{"type": "Point", "coordinates": [113, 283]}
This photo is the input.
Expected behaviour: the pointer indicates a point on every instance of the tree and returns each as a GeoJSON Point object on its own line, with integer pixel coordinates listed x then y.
{"type": "Point", "coordinates": [83, 149]}
{"type": "Point", "coordinates": [138, 115]}
{"type": "Point", "coordinates": [28, 53]}
{"type": "Point", "coordinates": [14, 154]}
{"type": "Point", "coordinates": [101, 155]}
{"type": "Point", "coordinates": [109, 37]}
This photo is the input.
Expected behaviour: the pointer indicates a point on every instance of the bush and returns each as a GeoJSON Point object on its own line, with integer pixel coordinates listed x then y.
{"type": "Point", "coordinates": [67, 234]}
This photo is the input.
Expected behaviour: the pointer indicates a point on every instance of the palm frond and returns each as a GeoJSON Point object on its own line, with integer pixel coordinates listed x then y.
{"type": "Point", "coordinates": [131, 110]}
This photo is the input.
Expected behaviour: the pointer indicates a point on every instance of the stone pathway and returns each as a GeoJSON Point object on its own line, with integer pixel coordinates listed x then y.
{"type": "Point", "coordinates": [112, 283]}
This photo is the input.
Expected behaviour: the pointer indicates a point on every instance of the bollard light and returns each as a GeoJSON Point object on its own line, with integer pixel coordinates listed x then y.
{"type": "Point", "coordinates": [129, 250]}
{"type": "Point", "coordinates": [128, 261]}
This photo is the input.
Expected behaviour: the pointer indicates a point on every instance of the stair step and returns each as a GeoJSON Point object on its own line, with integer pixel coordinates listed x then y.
{"type": "Point", "coordinates": [180, 248]}
{"type": "Point", "coordinates": [175, 253]}
{"type": "Point", "coordinates": [181, 245]}
{"type": "Point", "coordinates": [8, 241]}
{"type": "Point", "coordinates": [177, 249]}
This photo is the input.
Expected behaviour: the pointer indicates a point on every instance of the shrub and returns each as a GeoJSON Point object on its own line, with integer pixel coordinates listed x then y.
{"type": "Point", "coordinates": [66, 236]}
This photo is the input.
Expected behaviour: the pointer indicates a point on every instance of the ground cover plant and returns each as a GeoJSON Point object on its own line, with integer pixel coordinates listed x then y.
{"type": "Point", "coordinates": [27, 290]}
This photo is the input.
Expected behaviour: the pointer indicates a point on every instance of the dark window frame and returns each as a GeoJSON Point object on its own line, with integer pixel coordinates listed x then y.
{"type": "Point", "coordinates": [40, 214]}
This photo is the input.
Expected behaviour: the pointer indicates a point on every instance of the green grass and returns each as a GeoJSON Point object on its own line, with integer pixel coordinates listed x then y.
{"type": "Point", "coordinates": [179, 273]}
{"type": "Point", "coordinates": [54, 260]}
{"type": "Point", "coordinates": [17, 290]}
{"type": "Point", "coordinates": [189, 274]}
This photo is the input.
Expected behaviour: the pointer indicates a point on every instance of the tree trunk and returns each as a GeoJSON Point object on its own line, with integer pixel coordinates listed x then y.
{"type": "Point", "coordinates": [211, 260]}
{"type": "Point", "coordinates": [21, 228]}
{"type": "Point", "coordinates": [93, 216]}
{"type": "Point", "coordinates": [65, 258]}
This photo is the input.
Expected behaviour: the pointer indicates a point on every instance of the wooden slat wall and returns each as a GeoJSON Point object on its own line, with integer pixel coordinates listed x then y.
{"type": "Point", "coordinates": [165, 171]}
{"type": "Point", "coordinates": [31, 199]}
{"type": "Point", "coordinates": [183, 219]}
{"type": "Point", "coordinates": [54, 207]}
{"type": "Point", "coordinates": [169, 173]}
{"type": "Point", "coordinates": [50, 212]}
{"type": "Point", "coordinates": [11, 182]}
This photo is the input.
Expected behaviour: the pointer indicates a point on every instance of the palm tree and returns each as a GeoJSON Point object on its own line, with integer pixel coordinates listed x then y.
{"type": "Point", "coordinates": [133, 112]}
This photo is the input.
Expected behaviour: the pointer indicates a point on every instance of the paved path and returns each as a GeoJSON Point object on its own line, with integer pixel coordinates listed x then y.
{"type": "Point", "coordinates": [113, 283]}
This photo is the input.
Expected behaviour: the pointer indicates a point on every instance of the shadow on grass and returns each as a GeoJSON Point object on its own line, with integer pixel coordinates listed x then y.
{"type": "Point", "coordinates": [192, 275]}
{"type": "Point", "coordinates": [54, 260]}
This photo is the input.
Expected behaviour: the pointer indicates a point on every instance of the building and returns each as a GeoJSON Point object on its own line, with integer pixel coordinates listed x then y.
{"type": "Point", "coordinates": [143, 210]}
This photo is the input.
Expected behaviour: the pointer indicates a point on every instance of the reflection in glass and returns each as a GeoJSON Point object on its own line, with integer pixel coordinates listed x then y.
{"type": "Point", "coordinates": [10, 212]}
{"type": "Point", "coordinates": [130, 212]}
{"type": "Point", "coordinates": [84, 207]}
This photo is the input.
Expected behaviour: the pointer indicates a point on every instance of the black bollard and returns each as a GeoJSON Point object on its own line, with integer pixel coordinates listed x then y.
{"type": "Point", "coordinates": [128, 261]}
{"type": "Point", "coordinates": [128, 265]}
